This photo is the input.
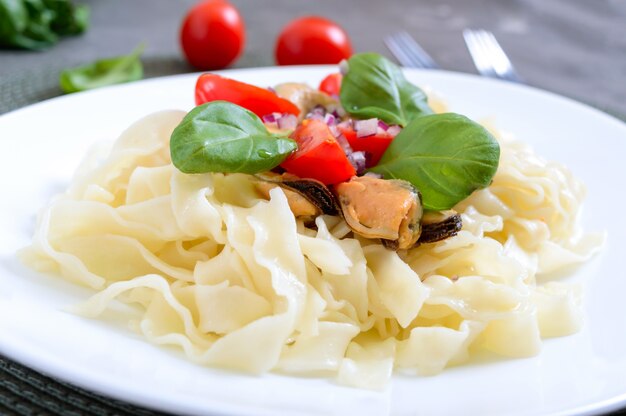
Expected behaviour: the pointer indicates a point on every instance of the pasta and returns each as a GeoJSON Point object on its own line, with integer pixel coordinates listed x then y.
{"type": "Point", "coordinates": [236, 281]}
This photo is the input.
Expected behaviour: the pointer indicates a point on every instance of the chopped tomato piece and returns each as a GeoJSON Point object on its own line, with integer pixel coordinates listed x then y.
{"type": "Point", "coordinates": [331, 85]}
{"type": "Point", "coordinates": [319, 155]}
{"type": "Point", "coordinates": [374, 146]}
{"type": "Point", "coordinates": [260, 101]}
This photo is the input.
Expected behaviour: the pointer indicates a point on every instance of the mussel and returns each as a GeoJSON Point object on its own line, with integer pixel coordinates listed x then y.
{"type": "Point", "coordinates": [305, 97]}
{"type": "Point", "coordinates": [439, 225]}
{"type": "Point", "coordinates": [387, 209]}
{"type": "Point", "coordinates": [377, 208]}
{"type": "Point", "coordinates": [307, 198]}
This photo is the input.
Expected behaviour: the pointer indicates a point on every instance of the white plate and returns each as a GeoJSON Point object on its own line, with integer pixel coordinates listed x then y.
{"type": "Point", "coordinates": [583, 373]}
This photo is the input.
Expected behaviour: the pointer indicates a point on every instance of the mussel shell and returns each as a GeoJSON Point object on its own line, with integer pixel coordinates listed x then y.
{"type": "Point", "coordinates": [312, 190]}
{"type": "Point", "coordinates": [315, 192]}
{"type": "Point", "coordinates": [439, 226]}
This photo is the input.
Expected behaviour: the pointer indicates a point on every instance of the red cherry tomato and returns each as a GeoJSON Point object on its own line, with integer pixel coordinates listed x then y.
{"type": "Point", "coordinates": [212, 34]}
{"type": "Point", "coordinates": [312, 40]}
{"type": "Point", "coordinates": [331, 85]}
{"type": "Point", "coordinates": [374, 146]}
{"type": "Point", "coordinates": [319, 155]}
{"type": "Point", "coordinates": [211, 87]}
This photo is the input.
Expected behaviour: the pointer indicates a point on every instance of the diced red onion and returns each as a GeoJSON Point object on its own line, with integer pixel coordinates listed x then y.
{"type": "Point", "coordinates": [345, 124]}
{"type": "Point", "coordinates": [394, 130]}
{"type": "Point", "coordinates": [330, 119]}
{"type": "Point", "coordinates": [318, 109]}
{"type": "Point", "coordinates": [269, 118]}
{"type": "Point", "coordinates": [334, 130]}
{"type": "Point", "coordinates": [272, 117]}
{"type": "Point", "coordinates": [271, 89]}
{"type": "Point", "coordinates": [287, 121]}
{"type": "Point", "coordinates": [366, 128]}
{"type": "Point", "coordinates": [315, 116]}
{"type": "Point", "coordinates": [358, 160]}
{"type": "Point", "coordinates": [383, 125]}
{"type": "Point", "coordinates": [345, 145]}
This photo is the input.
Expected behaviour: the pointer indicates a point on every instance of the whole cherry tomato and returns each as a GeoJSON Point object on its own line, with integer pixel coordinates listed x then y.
{"type": "Point", "coordinates": [212, 34]}
{"type": "Point", "coordinates": [312, 40]}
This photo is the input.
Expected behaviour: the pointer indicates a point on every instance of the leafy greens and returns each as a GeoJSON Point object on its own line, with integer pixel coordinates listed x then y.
{"type": "Point", "coordinates": [375, 87]}
{"type": "Point", "coordinates": [103, 72]}
{"type": "Point", "coordinates": [446, 156]}
{"type": "Point", "coordinates": [223, 137]}
{"type": "Point", "coordinates": [38, 24]}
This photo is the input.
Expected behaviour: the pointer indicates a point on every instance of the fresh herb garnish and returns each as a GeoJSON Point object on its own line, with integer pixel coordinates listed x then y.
{"type": "Point", "coordinates": [223, 137]}
{"type": "Point", "coordinates": [446, 156]}
{"type": "Point", "coordinates": [375, 87]}
{"type": "Point", "coordinates": [103, 72]}
{"type": "Point", "coordinates": [38, 24]}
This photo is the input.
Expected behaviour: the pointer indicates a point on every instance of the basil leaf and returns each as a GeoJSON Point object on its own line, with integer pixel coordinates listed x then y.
{"type": "Point", "coordinates": [446, 156]}
{"type": "Point", "coordinates": [13, 18]}
{"type": "Point", "coordinates": [375, 87]}
{"type": "Point", "coordinates": [223, 137]}
{"type": "Point", "coordinates": [103, 72]}
{"type": "Point", "coordinates": [70, 19]}
{"type": "Point", "coordinates": [38, 24]}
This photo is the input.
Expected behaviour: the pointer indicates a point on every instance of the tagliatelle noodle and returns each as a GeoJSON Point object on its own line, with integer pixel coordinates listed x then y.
{"type": "Point", "coordinates": [235, 281]}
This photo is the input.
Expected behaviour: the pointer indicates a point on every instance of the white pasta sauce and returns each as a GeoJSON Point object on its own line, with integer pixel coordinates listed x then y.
{"type": "Point", "coordinates": [235, 281]}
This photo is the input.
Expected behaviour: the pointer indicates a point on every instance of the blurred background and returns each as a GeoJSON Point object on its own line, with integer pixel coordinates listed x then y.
{"type": "Point", "coordinates": [573, 47]}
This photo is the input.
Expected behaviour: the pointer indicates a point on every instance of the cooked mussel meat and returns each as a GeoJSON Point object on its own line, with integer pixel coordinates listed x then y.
{"type": "Point", "coordinates": [389, 210]}
{"type": "Point", "coordinates": [305, 97]}
{"type": "Point", "coordinates": [377, 208]}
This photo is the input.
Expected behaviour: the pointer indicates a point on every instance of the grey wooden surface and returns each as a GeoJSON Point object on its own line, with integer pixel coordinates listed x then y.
{"type": "Point", "coordinates": [576, 48]}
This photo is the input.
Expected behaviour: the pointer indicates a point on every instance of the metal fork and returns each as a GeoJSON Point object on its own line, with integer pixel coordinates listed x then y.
{"type": "Point", "coordinates": [408, 52]}
{"type": "Point", "coordinates": [488, 56]}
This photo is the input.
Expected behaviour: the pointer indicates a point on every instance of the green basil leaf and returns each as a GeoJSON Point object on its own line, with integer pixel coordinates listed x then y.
{"type": "Point", "coordinates": [375, 87]}
{"type": "Point", "coordinates": [38, 24]}
{"type": "Point", "coordinates": [446, 156]}
{"type": "Point", "coordinates": [103, 72]}
{"type": "Point", "coordinates": [223, 137]}
{"type": "Point", "coordinates": [69, 19]}
{"type": "Point", "coordinates": [26, 24]}
{"type": "Point", "coordinates": [13, 18]}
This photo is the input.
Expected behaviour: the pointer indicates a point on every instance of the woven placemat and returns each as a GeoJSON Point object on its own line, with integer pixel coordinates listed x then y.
{"type": "Point", "coordinates": [27, 392]}
{"type": "Point", "coordinates": [24, 391]}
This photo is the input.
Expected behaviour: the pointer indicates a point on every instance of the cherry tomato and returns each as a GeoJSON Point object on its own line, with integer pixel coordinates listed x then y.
{"type": "Point", "coordinates": [211, 87]}
{"type": "Point", "coordinates": [319, 155]}
{"type": "Point", "coordinates": [312, 40]}
{"type": "Point", "coordinates": [331, 85]}
{"type": "Point", "coordinates": [212, 34]}
{"type": "Point", "coordinates": [374, 146]}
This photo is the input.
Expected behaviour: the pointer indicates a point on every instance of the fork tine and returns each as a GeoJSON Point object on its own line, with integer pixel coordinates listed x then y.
{"type": "Point", "coordinates": [477, 53]}
{"type": "Point", "coordinates": [502, 64]}
{"type": "Point", "coordinates": [488, 56]}
{"type": "Point", "coordinates": [414, 49]}
{"type": "Point", "coordinates": [399, 53]}
{"type": "Point", "coordinates": [408, 52]}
